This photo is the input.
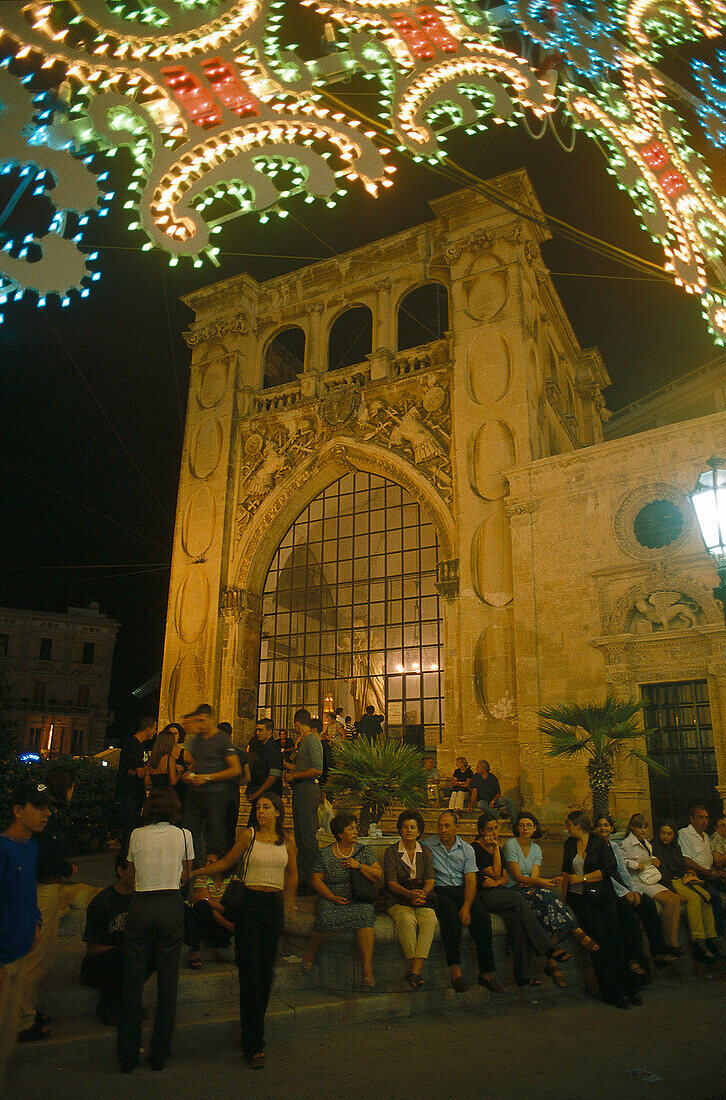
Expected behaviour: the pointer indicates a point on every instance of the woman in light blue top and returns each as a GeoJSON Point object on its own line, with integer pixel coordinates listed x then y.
{"type": "Point", "coordinates": [524, 859]}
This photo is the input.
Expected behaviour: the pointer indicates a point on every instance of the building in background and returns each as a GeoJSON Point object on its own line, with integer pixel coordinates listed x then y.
{"type": "Point", "coordinates": [56, 671]}
{"type": "Point", "coordinates": [395, 491]}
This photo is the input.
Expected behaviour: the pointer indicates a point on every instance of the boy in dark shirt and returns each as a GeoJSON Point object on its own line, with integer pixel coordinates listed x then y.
{"type": "Point", "coordinates": [103, 965]}
{"type": "Point", "coordinates": [130, 778]}
{"type": "Point", "coordinates": [20, 918]}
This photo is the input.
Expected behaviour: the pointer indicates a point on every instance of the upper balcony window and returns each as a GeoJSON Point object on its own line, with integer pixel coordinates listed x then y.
{"type": "Point", "coordinates": [46, 649]}
{"type": "Point", "coordinates": [284, 358]}
{"type": "Point", "coordinates": [351, 338]}
{"type": "Point", "coordinates": [89, 651]}
{"type": "Point", "coordinates": [423, 316]}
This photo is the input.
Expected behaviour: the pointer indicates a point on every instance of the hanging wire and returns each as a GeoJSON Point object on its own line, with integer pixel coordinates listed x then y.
{"type": "Point", "coordinates": [106, 417]}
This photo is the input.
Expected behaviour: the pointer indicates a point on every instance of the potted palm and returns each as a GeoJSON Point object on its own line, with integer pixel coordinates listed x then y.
{"type": "Point", "coordinates": [601, 731]}
{"type": "Point", "coordinates": [373, 775]}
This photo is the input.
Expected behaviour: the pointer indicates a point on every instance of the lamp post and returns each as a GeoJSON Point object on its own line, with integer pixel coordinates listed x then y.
{"type": "Point", "coordinates": [709, 502]}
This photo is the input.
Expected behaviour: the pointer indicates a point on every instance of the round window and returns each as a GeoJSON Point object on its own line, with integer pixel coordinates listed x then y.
{"type": "Point", "coordinates": [658, 524]}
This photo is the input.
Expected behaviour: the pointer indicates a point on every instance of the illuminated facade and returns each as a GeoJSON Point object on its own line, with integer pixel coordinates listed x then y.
{"type": "Point", "coordinates": [56, 670]}
{"type": "Point", "coordinates": [424, 516]}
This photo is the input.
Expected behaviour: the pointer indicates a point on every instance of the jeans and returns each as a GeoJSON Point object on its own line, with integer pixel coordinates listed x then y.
{"type": "Point", "coordinates": [203, 926]}
{"type": "Point", "coordinates": [257, 930]}
{"type": "Point", "coordinates": [305, 802]}
{"type": "Point", "coordinates": [499, 803]}
{"type": "Point", "coordinates": [155, 923]}
{"type": "Point", "coordinates": [205, 815]}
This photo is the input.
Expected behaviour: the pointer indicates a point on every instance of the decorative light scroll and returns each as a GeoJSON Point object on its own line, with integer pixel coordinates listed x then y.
{"type": "Point", "coordinates": [224, 119]}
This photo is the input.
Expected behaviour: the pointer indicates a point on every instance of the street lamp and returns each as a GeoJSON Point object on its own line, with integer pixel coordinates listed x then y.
{"type": "Point", "coordinates": [709, 502]}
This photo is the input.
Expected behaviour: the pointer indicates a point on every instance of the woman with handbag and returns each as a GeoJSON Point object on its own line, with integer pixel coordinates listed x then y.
{"type": "Point", "coordinates": [676, 876]}
{"type": "Point", "coordinates": [268, 872]}
{"type": "Point", "coordinates": [588, 864]}
{"type": "Point", "coordinates": [645, 869]}
{"type": "Point", "coordinates": [160, 853]}
{"type": "Point", "coordinates": [346, 878]}
{"type": "Point", "coordinates": [408, 872]}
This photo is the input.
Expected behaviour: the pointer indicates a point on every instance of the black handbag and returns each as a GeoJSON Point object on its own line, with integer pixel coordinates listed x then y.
{"type": "Point", "coordinates": [361, 887]}
{"type": "Point", "coordinates": [233, 898]}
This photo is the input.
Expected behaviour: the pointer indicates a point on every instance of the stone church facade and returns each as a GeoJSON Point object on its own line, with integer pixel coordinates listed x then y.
{"type": "Point", "coordinates": [565, 563]}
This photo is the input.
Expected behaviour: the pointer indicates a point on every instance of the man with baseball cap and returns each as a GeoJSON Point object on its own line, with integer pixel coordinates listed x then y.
{"type": "Point", "coordinates": [19, 913]}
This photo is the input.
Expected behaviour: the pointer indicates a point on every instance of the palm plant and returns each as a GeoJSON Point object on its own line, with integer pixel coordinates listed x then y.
{"type": "Point", "coordinates": [604, 732]}
{"type": "Point", "coordinates": [373, 774]}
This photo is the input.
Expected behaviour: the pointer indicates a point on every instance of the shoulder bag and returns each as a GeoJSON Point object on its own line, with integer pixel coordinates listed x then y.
{"type": "Point", "coordinates": [361, 887]}
{"type": "Point", "coordinates": [233, 898]}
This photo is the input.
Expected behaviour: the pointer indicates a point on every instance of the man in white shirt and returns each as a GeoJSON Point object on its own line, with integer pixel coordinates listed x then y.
{"type": "Point", "coordinates": [696, 848]}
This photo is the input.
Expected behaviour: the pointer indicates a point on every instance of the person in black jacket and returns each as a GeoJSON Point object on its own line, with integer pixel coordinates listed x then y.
{"type": "Point", "coordinates": [587, 866]}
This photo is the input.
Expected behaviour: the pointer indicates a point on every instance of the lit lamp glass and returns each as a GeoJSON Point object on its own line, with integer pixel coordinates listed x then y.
{"type": "Point", "coordinates": [709, 502]}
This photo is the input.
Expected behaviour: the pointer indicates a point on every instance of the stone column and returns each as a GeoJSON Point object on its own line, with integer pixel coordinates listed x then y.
{"type": "Point", "coordinates": [384, 329]}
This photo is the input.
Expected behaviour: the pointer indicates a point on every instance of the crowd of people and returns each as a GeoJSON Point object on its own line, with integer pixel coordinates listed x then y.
{"type": "Point", "coordinates": [188, 873]}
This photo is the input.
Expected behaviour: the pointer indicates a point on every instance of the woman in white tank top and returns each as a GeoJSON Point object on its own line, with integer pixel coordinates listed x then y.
{"type": "Point", "coordinates": [268, 858]}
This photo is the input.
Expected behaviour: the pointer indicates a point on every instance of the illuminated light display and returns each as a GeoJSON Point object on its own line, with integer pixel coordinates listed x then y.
{"type": "Point", "coordinates": [213, 105]}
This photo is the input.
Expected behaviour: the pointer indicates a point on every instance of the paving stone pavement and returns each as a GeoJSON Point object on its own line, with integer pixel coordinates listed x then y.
{"type": "Point", "coordinates": [579, 1050]}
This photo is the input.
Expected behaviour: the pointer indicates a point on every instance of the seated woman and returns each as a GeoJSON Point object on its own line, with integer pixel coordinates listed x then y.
{"type": "Point", "coordinates": [587, 866]}
{"type": "Point", "coordinates": [207, 921]}
{"type": "Point", "coordinates": [162, 771]}
{"type": "Point", "coordinates": [634, 906]}
{"type": "Point", "coordinates": [336, 910]}
{"type": "Point", "coordinates": [408, 875]}
{"type": "Point", "coordinates": [526, 935]}
{"type": "Point", "coordinates": [462, 778]}
{"type": "Point", "coordinates": [681, 880]}
{"type": "Point", "coordinates": [644, 867]}
{"type": "Point", "coordinates": [524, 859]}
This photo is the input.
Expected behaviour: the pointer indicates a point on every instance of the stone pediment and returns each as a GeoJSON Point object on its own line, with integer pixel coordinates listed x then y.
{"type": "Point", "coordinates": [663, 601]}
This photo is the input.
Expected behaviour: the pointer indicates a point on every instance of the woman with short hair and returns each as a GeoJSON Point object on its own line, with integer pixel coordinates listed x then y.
{"type": "Point", "coordinates": [336, 908]}
{"type": "Point", "coordinates": [524, 861]}
{"type": "Point", "coordinates": [587, 866]}
{"type": "Point", "coordinates": [161, 854]}
{"type": "Point", "coordinates": [408, 875]}
{"type": "Point", "coordinates": [644, 866]}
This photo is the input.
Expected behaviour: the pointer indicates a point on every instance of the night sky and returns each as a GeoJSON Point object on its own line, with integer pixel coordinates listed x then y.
{"type": "Point", "coordinates": [94, 395]}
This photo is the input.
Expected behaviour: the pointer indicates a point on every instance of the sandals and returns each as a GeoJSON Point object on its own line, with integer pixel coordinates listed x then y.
{"type": "Point", "coordinates": [584, 941]}
{"type": "Point", "coordinates": [560, 956]}
{"type": "Point", "coordinates": [194, 964]}
{"type": "Point", "coordinates": [553, 971]}
{"type": "Point", "coordinates": [530, 982]}
{"type": "Point", "coordinates": [414, 980]}
{"type": "Point", "coordinates": [256, 1061]}
{"type": "Point", "coordinates": [491, 984]}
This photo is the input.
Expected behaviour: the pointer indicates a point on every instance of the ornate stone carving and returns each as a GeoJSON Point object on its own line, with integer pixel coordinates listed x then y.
{"type": "Point", "coordinates": [630, 507]}
{"type": "Point", "coordinates": [237, 324]}
{"type": "Point", "coordinates": [411, 416]}
{"type": "Point", "coordinates": [662, 601]}
{"type": "Point", "coordinates": [238, 601]}
{"type": "Point", "coordinates": [522, 508]}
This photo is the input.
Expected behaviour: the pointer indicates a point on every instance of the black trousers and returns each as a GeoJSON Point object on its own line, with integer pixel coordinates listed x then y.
{"type": "Point", "coordinates": [232, 814]}
{"type": "Point", "coordinates": [205, 815]}
{"type": "Point", "coordinates": [155, 923]}
{"type": "Point", "coordinates": [257, 930]}
{"type": "Point", "coordinates": [203, 926]}
{"type": "Point", "coordinates": [599, 918]}
{"type": "Point", "coordinates": [105, 972]}
{"type": "Point", "coordinates": [450, 901]}
{"type": "Point", "coordinates": [630, 918]}
{"type": "Point", "coordinates": [129, 813]}
{"type": "Point", "coordinates": [526, 935]}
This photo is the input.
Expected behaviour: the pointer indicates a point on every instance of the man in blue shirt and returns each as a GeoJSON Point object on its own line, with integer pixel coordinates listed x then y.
{"type": "Point", "coordinates": [455, 874]}
{"type": "Point", "coordinates": [19, 913]}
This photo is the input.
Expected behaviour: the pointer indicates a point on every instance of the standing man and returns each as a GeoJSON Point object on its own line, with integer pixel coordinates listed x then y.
{"type": "Point", "coordinates": [455, 871]}
{"type": "Point", "coordinates": [696, 848]}
{"type": "Point", "coordinates": [486, 792]}
{"type": "Point", "coordinates": [265, 765]}
{"type": "Point", "coordinates": [207, 799]}
{"type": "Point", "coordinates": [303, 777]}
{"type": "Point", "coordinates": [20, 919]}
{"type": "Point", "coordinates": [371, 724]}
{"type": "Point", "coordinates": [130, 778]}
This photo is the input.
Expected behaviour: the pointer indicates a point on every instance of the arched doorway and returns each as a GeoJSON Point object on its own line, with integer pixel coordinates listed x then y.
{"type": "Point", "coordinates": [351, 612]}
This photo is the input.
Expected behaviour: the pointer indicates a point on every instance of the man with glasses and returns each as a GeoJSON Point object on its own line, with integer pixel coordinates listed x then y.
{"type": "Point", "coordinates": [265, 755]}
